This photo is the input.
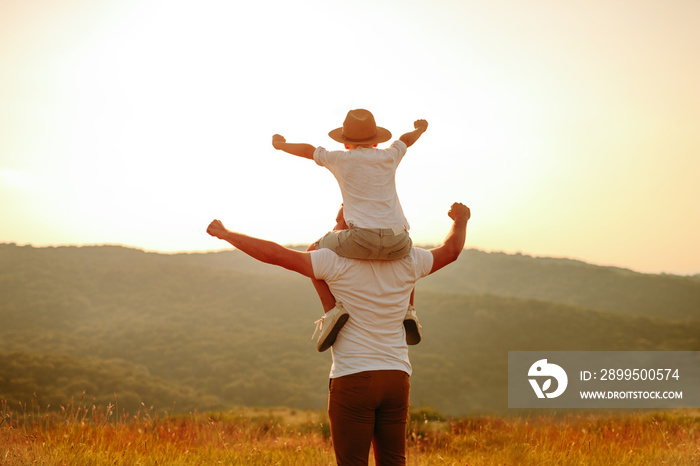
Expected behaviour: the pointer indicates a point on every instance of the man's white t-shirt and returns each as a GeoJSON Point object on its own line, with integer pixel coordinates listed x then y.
{"type": "Point", "coordinates": [367, 180]}
{"type": "Point", "coordinates": [376, 295]}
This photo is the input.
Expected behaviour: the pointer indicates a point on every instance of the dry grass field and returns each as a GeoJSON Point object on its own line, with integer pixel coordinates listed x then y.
{"type": "Point", "coordinates": [84, 434]}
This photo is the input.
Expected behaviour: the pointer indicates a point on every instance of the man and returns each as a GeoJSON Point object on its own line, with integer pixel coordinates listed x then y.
{"type": "Point", "coordinates": [369, 387]}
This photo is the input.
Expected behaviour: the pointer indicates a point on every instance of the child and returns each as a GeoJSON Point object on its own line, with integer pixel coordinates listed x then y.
{"type": "Point", "coordinates": [371, 224]}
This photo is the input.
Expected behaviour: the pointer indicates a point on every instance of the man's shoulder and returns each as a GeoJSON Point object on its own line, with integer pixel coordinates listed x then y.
{"type": "Point", "coordinates": [420, 253]}
{"type": "Point", "coordinates": [423, 258]}
{"type": "Point", "coordinates": [324, 256]}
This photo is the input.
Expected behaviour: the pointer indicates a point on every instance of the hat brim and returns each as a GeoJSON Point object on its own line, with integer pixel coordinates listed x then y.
{"type": "Point", "coordinates": [382, 135]}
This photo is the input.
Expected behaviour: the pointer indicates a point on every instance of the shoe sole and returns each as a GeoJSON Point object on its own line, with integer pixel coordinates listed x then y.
{"type": "Point", "coordinates": [333, 334]}
{"type": "Point", "coordinates": [412, 335]}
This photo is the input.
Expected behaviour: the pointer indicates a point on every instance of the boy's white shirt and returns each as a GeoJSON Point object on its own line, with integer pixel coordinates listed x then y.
{"type": "Point", "coordinates": [376, 295]}
{"type": "Point", "coordinates": [367, 180]}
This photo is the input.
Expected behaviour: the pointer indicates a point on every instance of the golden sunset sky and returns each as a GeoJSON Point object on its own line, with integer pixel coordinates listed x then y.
{"type": "Point", "coordinates": [571, 129]}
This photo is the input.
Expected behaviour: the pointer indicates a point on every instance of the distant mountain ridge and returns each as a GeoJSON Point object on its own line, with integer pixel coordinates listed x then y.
{"type": "Point", "coordinates": [220, 329]}
{"type": "Point", "coordinates": [561, 280]}
{"type": "Point", "coordinates": [571, 282]}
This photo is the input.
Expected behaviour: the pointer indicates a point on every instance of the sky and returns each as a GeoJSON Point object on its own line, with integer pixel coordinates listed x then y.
{"type": "Point", "coordinates": [571, 129]}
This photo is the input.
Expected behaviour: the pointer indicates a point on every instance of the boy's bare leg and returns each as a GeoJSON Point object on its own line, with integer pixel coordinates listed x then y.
{"type": "Point", "coordinates": [335, 315]}
{"type": "Point", "coordinates": [323, 291]}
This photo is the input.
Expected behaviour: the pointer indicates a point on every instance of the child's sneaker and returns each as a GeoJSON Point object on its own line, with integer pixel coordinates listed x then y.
{"type": "Point", "coordinates": [410, 323]}
{"type": "Point", "coordinates": [330, 324]}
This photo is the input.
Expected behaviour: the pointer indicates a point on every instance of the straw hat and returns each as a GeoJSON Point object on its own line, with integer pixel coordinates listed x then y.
{"type": "Point", "coordinates": [360, 128]}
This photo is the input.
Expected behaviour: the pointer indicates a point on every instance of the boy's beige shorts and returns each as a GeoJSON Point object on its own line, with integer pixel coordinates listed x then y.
{"type": "Point", "coordinates": [368, 243]}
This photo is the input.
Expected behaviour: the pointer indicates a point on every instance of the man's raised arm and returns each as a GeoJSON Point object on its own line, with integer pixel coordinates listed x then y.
{"type": "Point", "coordinates": [264, 251]}
{"type": "Point", "coordinates": [454, 242]}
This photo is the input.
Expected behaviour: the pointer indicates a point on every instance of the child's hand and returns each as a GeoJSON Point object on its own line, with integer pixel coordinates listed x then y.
{"type": "Point", "coordinates": [421, 125]}
{"type": "Point", "coordinates": [277, 141]}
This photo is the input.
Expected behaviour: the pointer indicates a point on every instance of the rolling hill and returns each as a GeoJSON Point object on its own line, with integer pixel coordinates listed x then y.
{"type": "Point", "coordinates": [219, 329]}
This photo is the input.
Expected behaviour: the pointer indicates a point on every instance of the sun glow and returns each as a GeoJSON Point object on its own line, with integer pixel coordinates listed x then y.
{"type": "Point", "coordinates": [139, 122]}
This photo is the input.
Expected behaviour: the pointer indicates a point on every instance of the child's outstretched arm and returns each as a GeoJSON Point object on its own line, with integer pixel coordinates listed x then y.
{"type": "Point", "coordinates": [301, 150]}
{"type": "Point", "coordinates": [411, 137]}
